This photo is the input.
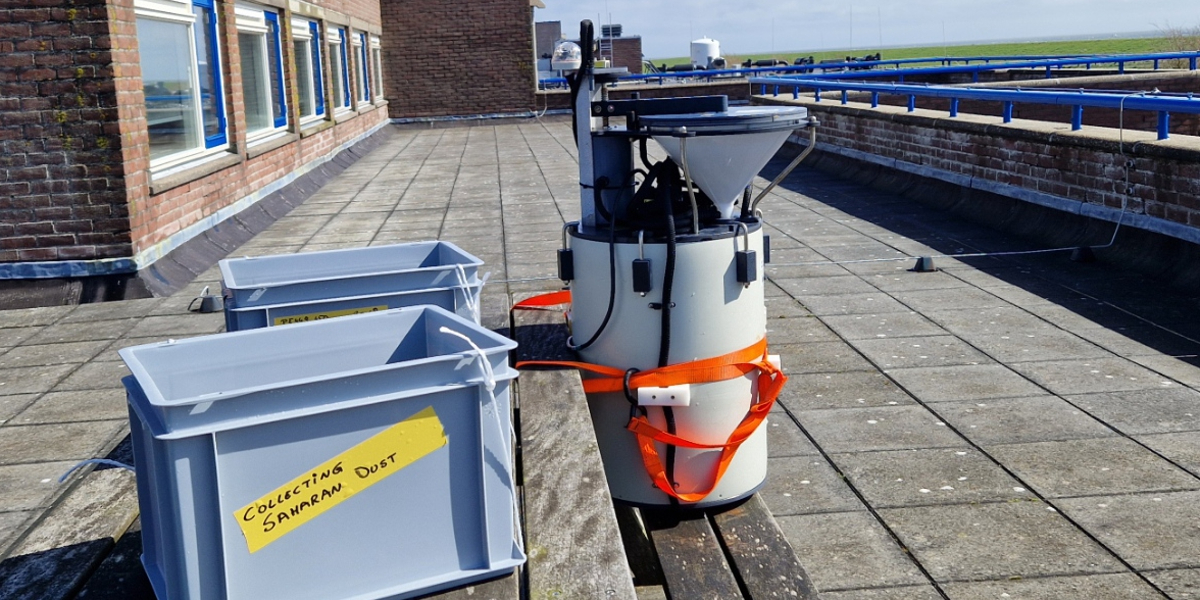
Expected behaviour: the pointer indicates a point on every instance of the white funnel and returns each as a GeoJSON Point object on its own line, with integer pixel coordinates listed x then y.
{"type": "Point", "coordinates": [727, 149]}
{"type": "Point", "coordinates": [723, 165]}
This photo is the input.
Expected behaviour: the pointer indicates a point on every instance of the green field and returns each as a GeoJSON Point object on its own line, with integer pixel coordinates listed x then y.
{"type": "Point", "coordinates": [1105, 46]}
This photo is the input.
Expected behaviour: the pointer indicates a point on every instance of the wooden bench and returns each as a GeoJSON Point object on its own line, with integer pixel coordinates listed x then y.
{"type": "Point", "coordinates": [580, 544]}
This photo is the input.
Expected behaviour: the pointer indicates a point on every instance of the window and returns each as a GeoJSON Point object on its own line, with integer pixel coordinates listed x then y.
{"type": "Point", "coordinates": [362, 79]}
{"type": "Point", "coordinates": [262, 70]}
{"type": "Point", "coordinates": [309, 83]}
{"type": "Point", "coordinates": [377, 68]}
{"type": "Point", "coordinates": [339, 71]}
{"type": "Point", "coordinates": [181, 79]}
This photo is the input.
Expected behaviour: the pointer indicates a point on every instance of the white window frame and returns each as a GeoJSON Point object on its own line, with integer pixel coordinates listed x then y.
{"type": "Point", "coordinates": [251, 18]}
{"type": "Point", "coordinates": [302, 31]}
{"type": "Point", "coordinates": [181, 12]}
{"type": "Point", "coordinates": [376, 56]}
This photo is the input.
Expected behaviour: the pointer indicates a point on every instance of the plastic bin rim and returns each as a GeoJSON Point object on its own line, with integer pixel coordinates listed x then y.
{"type": "Point", "coordinates": [471, 285]}
{"type": "Point", "coordinates": [229, 280]}
{"type": "Point", "coordinates": [154, 395]}
{"type": "Point", "coordinates": [159, 429]}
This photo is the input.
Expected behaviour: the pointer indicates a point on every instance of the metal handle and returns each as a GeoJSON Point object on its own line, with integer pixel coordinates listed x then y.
{"type": "Point", "coordinates": [745, 236]}
{"type": "Point", "coordinates": [641, 241]}
{"type": "Point", "coordinates": [566, 227]}
{"type": "Point", "coordinates": [687, 177]}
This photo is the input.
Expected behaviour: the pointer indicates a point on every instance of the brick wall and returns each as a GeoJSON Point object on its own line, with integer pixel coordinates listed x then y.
{"type": "Point", "coordinates": [1164, 81]}
{"type": "Point", "coordinates": [454, 58]}
{"type": "Point", "coordinates": [1164, 181]}
{"type": "Point", "coordinates": [75, 179]}
{"type": "Point", "coordinates": [61, 168]}
{"type": "Point", "coordinates": [547, 35]}
{"type": "Point", "coordinates": [627, 52]}
{"type": "Point", "coordinates": [156, 214]}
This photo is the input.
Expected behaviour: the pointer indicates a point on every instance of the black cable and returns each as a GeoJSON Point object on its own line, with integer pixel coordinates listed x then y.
{"type": "Point", "coordinates": [664, 345]}
{"type": "Point", "coordinates": [612, 288]}
{"type": "Point", "coordinates": [598, 200]}
{"type": "Point", "coordinates": [645, 156]}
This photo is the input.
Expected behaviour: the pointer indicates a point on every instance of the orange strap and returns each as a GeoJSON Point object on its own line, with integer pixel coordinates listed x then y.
{"type": "Point", "coordinates": [543, 301]}
{"type": "Point", "coordinates": [720, 368]}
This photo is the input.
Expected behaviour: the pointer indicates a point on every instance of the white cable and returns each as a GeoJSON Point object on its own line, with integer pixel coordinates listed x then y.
{"type": "Point", "coordinates": [472, 299]}
{"type": "Point", "coordinates": [489, 384]}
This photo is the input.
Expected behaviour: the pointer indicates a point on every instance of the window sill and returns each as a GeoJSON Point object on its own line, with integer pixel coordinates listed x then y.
{"type": "Point", "coordinates": [203, 168]}
{"type": "Point", "coordinates": [273, 143]}
{"type": "Point", "coordinates": [344, 115]}
{"type": "Point", "coordinates": [315, 127]}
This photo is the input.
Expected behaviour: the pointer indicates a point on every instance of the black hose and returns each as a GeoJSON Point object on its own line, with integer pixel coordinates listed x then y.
{"type": "Point", "coordinates": [586, 34]}
{"type": "Point", "coordinates": [664, 345]}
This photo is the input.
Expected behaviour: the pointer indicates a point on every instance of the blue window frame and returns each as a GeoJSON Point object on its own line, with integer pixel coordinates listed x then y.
{"type": "Point", "coordinates": [208, 55]}
{"type": "Point", "coordinates": [364, 69]}
{"type": "Point", "coordinates": [345, 61]}
{"type": "Point", "coordinates": [275, 68]}
{"type": "Point", "coordinates": [318, 78]}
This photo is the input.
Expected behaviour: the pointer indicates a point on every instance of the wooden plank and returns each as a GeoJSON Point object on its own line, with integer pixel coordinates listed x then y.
{"type": "Point", "coordinates": [572, 537]}
{"type": "Point", "coordinates": [121, 576]}
{"type": "Point", "coordinates": [503, 588]}
{"type": "Point", "coordinates": [692, 560]}
{"type": "Point", "coordinates": [56, 557]}
{"type": "Point", "coordinates": [761, 556]}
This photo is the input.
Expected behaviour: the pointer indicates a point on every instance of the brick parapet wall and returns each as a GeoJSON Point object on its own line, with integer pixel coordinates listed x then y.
{"type": "Point", "coordinates": [61, 166]}
{"type": "Point", "coordinates": [1086, 167]}
{"type": "Point", "coordinates": [1164, 81]}
{"type": "Point", "coordinates": [453, 58]}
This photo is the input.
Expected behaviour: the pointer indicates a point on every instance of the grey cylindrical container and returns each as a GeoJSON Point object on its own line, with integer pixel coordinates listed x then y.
{"type": "Point", "coordinates": [713, 315]}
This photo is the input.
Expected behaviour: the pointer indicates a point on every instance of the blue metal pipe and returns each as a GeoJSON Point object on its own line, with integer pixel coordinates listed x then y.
{"type": "Point", "coordinates": [1076, 118]}
{"type": "Point", "coordinates": [1164, 124]}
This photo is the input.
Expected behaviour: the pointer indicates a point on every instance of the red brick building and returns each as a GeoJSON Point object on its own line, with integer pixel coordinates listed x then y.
{"type": "Point", "coordinates": [454, 58]}
{"type": "Point", "coordinates": [136, 131]}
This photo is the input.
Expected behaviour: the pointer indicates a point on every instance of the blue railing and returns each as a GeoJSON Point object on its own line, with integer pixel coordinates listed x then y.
{"type": "Point", "coordinates": [896, 68]}
{"type": "Point", "coordinates": [1163, 104]}
{"type": "Point", "coordinates": [867, 70]}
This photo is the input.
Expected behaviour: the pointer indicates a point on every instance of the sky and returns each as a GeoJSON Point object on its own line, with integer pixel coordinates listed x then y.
{"type": "Point", "coordinates": [790, 26]}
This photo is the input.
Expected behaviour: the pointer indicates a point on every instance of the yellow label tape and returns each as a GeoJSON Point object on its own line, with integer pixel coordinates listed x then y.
{"type": "Point", "coordinates": [329, 314]}
{"type": "Point", "coordinates": [324, 487]}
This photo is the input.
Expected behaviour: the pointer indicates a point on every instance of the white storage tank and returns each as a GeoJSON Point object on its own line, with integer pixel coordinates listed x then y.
{"type": "Point", "coordinates": [704, 50]}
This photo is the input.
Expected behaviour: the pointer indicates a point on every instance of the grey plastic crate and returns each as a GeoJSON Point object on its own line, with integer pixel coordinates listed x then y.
{"type": "Point", "coordinates": [330, 276]}
{"type": "Point", "coordinates": [224, 425]}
